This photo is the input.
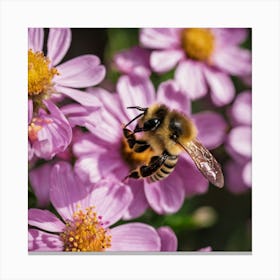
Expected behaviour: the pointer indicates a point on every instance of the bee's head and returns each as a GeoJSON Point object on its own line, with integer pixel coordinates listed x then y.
{"type": "Point", "coordinates": [181, 128]}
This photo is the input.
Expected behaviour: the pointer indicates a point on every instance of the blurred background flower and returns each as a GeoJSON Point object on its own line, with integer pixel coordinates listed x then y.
{"type": "Point", "coordinates": [204, 58]}
{"type": "Point", "coordinates": [239, 144]}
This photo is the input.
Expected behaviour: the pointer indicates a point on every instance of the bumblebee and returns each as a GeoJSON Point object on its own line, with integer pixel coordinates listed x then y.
{"type": "Point", "coordinates": [165, 134]}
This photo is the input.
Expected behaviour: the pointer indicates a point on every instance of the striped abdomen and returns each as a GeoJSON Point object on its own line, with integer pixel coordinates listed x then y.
{"type": "Point", "coordinates": [165, 169]}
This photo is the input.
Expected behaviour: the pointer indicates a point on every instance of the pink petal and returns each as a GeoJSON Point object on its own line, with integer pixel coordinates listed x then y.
{"type": "Point", "coordinates": [168, 238]}
{"type": "Point", "coordinates": [164, 61]}
{"type": "Point", "coordinates": [190, 77]}
{"type": "Point", "coordinates": [30, 151]}
{"type": "Point", "coordinates": [82, 97]}
{"type": "Point", "coordinates": [54, 110]}
{"type": "Point", "coordinates": [101, 128]}
{"type": "Point", "coordinates": [230, 36]}
{"type": "Point", "coordinates": [233, 60]}
{"type": "Point", "coordinates": [97, 157]}
{"type": "Point", "coordinates": [135, 91]}
{"type": "Point", "coordinates": [98, 165]}
{"type": "Point", "coordinates": [78, 115]}
{"type": "Point", "coordinates": [166, 196]}
{"type": "Point", "coordinates": [170, 94]}
{"type": "Point", "coordinates": [240, 141]}
{"type": "Point", "coordinates": [241, 110]}
{"type": "Point", "coordinates": [105, 123]}
{"type": "Point", "coordinates": [221, 86]}
{"type": "Point", "coordinates": [40, 182]}
{"type": "Point", "coordinates": [87, 143]}
{"type": "Point", "coordinates": [35, 39]}
{"type": "Point", "coordinates": [44, 219]}
{"type": "Point", "coordinates": [87, 169]}
{"type": "Point", "coordinates": [79, 72]}
{"type": "Point", "coordinates": [134, 237]}
{"type": "Point", "coordinates": [43, 241]}
{"type": "Point", "coordinates": [211, 128]}
{"type": "Point", "coordinates": [139, 203]}
{"type": "Point", "coordinates": [135, 60]}
{"type": "Point", "coordinates": [247, 174]}
{"type": "Point", "coordinates": [30, 110]}
{"type": "Point", "coordinates": [233, 177]}
{"type": "Point", "coordinates": [67, 191]}
{"type": "Point", "coordinates": [111, 200]}
{"type": "Point", "coordinates": [111, 116]}
{"type": "Point", "coordinates": [160, 38]}
{"type": "Point", "coordinates": [59, 41]}
{"type": "Point", "coordinates": [110, 102]}
{"type": "Point", "coordinates": [194, 181]}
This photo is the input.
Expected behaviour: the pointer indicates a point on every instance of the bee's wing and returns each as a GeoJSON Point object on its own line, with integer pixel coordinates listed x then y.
{"type": "Point", "coordinates": [205, 162]}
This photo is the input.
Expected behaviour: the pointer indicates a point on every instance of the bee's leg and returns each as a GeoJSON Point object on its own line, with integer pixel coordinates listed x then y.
{"type": "Point", "coordinates": [130, 137]}
{"type": "Point", "coordinates": [138, 146]}
{"type": "Point", "coordinates": [147, 170]}
{"type": "Point", "coordinates": [155, 163]}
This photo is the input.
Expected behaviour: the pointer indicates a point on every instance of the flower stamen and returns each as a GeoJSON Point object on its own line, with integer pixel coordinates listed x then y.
{"type": "Point", "coordinates": [35, 126]}
{"type": "Point", "coordinates": [85, 233]}
{"type": "Point", "coordinates": [198, 43]}
{"type": "Point", "coordinates": [40, 74]}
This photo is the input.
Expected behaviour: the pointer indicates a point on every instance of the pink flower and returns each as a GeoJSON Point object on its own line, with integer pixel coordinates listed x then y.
{"type": "Point", "coordinates": [87, 215]}
{"type": "Point", "coordinates": [48, 131]}
{"type": "Point", "coordinates": [205, 58]}
{"type": "Point", "coordinates": [49, 79]}
{"type": "Point", "coordinates": [102, 154]}
{"type": "Point", "coordinates": [169, 242]}
{"type": "Point", "coordinates": [239, 144]}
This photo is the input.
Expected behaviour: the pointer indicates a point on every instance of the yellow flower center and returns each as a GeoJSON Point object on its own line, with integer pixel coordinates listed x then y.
{"type": "Point", "coordinates": [40, 75]}
{"type": "Point", "coordinates": [85, 233]}
{"type": "Point", "coordinates": [134, 159]}
{"type": "Point", "coordinates": [198, 43]}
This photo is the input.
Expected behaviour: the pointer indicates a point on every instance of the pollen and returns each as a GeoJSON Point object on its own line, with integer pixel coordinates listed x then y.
{"type": "Point", "coordinates": [85, 233]}
{"type": "Point", "coordinates": [198, 43]}
{"type": "Point", "coordinates": [132, 158]}
{"type": "Point", "coordinates": [35, 126]}
{"type": "Point", "coordinates": [40, 74]}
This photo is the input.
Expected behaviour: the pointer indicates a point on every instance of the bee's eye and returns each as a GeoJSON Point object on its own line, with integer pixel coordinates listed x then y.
{"type": "Point", "coordinates": [151, 124]}
{"type": "Point", "coordinates": [154, 122]}
{"type": "Point", "coordinates": [176, 127]}
{"type": "Point", "coordinates": [173, 136]}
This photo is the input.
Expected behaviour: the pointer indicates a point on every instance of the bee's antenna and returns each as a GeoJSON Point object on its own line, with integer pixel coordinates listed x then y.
{"type": "Point", "coordinates": [134, 119]}
{"type": "Point", "coordinates": [138, 108]}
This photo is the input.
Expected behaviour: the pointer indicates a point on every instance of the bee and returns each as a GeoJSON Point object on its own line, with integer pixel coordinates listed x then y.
{"type": "Point", "coordinates": [166, 134]}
